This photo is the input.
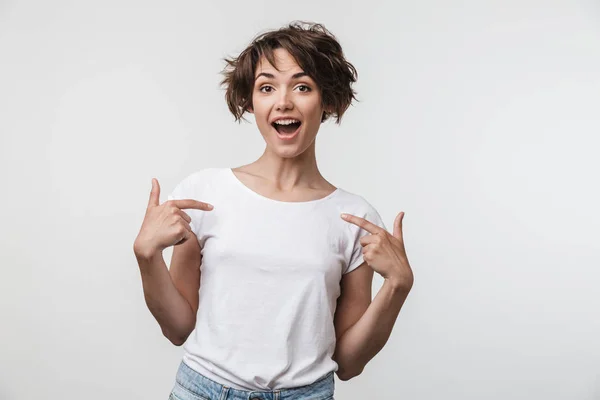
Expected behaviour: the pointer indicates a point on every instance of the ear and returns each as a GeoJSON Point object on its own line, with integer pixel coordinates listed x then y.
{"type": "Point", "coordinates": [250, 110]}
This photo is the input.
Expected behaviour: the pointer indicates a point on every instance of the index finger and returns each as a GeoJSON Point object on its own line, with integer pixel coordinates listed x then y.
{"type": "Point", "coordinates": [363, 223]}
{"type": "Point", "coordinates": [190, 203]}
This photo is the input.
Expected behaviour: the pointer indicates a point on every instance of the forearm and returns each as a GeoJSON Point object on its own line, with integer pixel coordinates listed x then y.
{"type": "Point", "coordinates": [170, 309]}
{"type": "Point", "coordinates": [363, 340]}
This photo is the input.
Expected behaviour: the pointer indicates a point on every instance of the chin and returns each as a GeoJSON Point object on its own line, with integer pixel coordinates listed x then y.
{"type": "Point", "coordinates": [286, 151]}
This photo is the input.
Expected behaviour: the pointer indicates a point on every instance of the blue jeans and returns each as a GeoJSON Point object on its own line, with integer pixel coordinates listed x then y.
{"type": "Point", "coordinates": [190, 385]}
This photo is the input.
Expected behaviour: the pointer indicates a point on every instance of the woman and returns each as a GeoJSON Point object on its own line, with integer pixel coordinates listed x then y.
{"type": "Point", "coordinates": [274, 295]}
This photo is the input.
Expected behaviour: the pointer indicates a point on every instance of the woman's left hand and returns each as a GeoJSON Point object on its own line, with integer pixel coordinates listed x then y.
{"type": "Point", "coordinates": [384, 252]}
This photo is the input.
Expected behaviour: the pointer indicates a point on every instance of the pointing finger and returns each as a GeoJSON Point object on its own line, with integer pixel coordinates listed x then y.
{"type": "Point", "coordinates": [363, 223]}
{"type": "Point", "coordinates": [190, 203]}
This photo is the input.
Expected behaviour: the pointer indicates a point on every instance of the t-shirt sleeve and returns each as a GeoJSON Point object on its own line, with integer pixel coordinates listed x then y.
{"type": "Point", "coordinates": [190, 188]}
{"type": "Point", "coordinates": [370, 214]}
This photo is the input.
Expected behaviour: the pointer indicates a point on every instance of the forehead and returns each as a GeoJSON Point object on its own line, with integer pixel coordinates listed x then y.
{"type": "Point", "coordinates": [286, 64]}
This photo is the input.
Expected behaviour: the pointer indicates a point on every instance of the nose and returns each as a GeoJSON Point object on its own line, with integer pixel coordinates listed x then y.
{"type": "Point", "coordinates": [283, 101]}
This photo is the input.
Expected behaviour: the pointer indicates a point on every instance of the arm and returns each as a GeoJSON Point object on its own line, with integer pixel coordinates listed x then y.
{"type": "Point", "coordinates": [368, 331]}
{"type": "Point", "coordinates": [363, 327]}
{"type": "Point", "coordinates": [172, 295]}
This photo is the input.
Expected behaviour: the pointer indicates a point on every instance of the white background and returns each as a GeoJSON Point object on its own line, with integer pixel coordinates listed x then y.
{"type": "Point", "coordinates": [479, 119]}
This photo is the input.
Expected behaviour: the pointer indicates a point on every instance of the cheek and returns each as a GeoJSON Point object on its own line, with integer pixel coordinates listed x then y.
{"type": "Point", "coordinates": [260, 112]}
{"type": "Point", "coordinates": [314, 113]}
{"type": "Point", "coordinates": [311, 105]}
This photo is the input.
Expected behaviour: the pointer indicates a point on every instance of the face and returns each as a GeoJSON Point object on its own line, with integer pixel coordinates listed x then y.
{"type": "Point", "coordinates": [288, 93]}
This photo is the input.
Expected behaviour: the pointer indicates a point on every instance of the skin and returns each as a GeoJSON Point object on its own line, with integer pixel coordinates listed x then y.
{"type": "Point", "coordinates": [287, 170]}
{"type": "Point", "coordinates": [384, 253]}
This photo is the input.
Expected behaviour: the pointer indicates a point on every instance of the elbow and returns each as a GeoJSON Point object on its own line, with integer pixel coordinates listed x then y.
{"type": "Point", "coordinates": [342, 376]}
{"type": "Point", "coordinates": [177, 340]}
{"type": "Point", "coordinates": [345, 375]}
{"type": "Point", "coordinates": [348, 369]}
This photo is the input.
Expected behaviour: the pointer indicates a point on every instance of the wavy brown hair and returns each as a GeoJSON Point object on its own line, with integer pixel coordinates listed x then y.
{"type": "Point", "coordinates": [316, 51]}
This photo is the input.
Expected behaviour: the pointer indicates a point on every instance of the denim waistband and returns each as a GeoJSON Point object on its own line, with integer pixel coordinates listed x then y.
{"type": "Point", "coordinates": [191, 385]}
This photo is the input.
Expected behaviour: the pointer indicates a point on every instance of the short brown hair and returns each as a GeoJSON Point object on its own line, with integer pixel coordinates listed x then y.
{"type": "Point", "coordinates": [317, 52]}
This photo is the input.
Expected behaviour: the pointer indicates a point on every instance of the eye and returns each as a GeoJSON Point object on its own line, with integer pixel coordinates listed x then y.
{"type": "Point", "coordinates": [264, 87]}
{"type": "Point", "coordinates": [305, 86]}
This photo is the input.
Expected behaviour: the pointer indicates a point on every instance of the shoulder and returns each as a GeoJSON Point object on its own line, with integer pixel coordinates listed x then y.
{"type": "Point", "coordinates": [353, 203]}
{"type": "Point", "coordinates": [358, 205]}
{"type": "Point", "coordinates": [200, 178]}
{"type": "Point", "coordinates": [194, 183]}
{"type": "Point", "coordinates": [202, 174]}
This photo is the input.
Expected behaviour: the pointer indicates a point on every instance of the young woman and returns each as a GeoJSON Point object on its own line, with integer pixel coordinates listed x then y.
{"type": "Point", "coordinates": [269, 289]}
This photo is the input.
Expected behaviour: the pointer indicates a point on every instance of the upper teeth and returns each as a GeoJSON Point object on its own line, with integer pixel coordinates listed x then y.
{"type": "Point", "coordinates": [286, 121]}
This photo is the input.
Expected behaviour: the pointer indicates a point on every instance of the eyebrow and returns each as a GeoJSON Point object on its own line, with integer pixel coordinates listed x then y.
{"type": "Point", "coordinates": [271, 76]}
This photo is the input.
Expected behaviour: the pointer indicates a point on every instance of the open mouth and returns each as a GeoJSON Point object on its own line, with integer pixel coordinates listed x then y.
{"type": "Point", "coordinates": [286, 129]}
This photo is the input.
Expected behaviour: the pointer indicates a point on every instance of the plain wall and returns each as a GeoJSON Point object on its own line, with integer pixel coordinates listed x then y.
{"type": "Point", "coordinates": [480, 120]}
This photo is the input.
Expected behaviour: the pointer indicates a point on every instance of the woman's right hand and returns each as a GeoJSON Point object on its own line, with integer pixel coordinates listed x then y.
{"type": "Point", "coordinates": [165, 224]}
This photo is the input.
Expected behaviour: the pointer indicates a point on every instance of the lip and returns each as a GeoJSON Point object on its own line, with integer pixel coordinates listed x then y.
{"type": "Point", "coordinates": [287, 137]}
{"type": "Point", "coordinates": [284, 117]}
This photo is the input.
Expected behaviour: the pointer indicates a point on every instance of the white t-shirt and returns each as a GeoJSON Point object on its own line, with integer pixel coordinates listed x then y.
{"type": "Point", "coordinates": [270, 279]}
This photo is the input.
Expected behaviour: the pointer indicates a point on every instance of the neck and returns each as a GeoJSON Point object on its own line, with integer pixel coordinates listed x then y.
{"type": "Point", "coordinates": [290, 173]}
